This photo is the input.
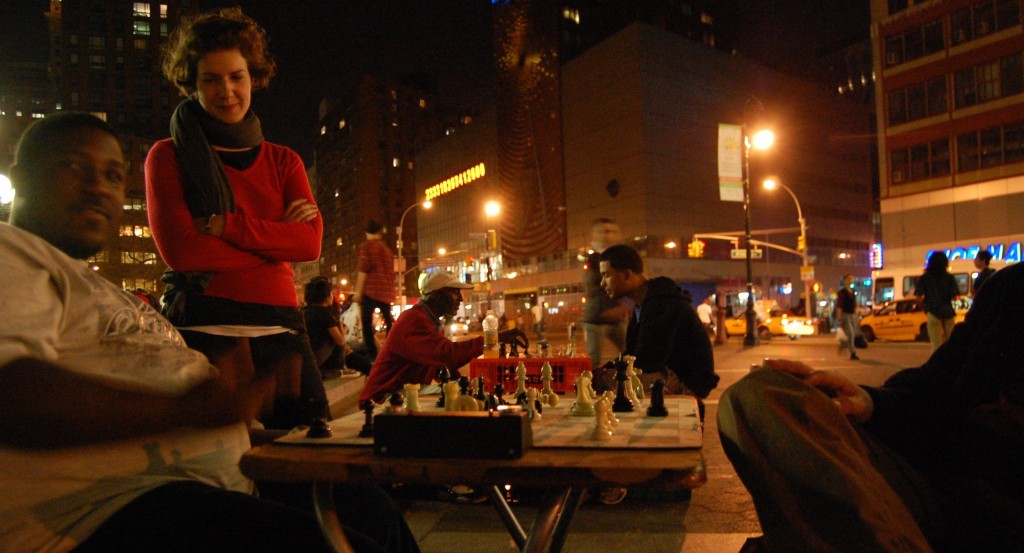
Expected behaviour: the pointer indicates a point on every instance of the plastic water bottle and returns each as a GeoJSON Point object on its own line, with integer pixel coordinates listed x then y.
{"type": "Point", "coordinates": [490, 326]}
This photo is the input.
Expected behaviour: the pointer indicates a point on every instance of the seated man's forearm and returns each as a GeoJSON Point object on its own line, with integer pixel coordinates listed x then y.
{"type": "Point", "coordinates": [45, 406]}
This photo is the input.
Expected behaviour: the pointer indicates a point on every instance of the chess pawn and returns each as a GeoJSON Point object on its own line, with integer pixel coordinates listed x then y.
{"type": "Point", "coordinates": [395, 404]}
{"type": "Point", "coordinates": [657, 407]}
{"type": "Point", "coordinates": [520, 379]}
{"type": "Point", "coordinates": [412, 397]}
{"type": "Point", "coordinates": [613, 421]}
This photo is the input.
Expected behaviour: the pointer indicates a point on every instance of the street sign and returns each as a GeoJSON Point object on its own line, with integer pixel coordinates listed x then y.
{"type": "Point", "coordinates": [741, 253]}
{"type": "Point", "coordinates": [806, 273]}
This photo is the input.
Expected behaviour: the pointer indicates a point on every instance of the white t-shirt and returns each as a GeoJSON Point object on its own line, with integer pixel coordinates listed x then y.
{"type": "Point", "coordinates": [54, 307]}
{"type": "Point", "coordinates": [704, 313]}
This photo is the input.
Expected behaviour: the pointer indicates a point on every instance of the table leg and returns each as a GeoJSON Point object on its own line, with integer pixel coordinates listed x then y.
{"type": "Point", "coordinates": [508, 518]}
{"type": "Point", "coordinates": [330, 527]}
{"type": "Point", "coordinates": [572, 504]}
{"type": "Point", "coordinates": [552, 518]}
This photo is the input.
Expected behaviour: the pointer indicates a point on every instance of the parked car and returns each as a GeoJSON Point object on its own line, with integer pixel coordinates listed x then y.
{"type": "Point", "coordinates": [904, 320]}
{"type": "Point", "coordinates": [778, 323]}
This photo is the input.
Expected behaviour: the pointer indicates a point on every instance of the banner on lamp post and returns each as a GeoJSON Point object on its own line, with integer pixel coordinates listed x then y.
{"type": "Point", "coordinates": [730, 162]}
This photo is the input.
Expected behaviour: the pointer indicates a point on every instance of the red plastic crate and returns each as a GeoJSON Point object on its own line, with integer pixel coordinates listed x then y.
{"type": "Point", "coordinates": [564, 371]}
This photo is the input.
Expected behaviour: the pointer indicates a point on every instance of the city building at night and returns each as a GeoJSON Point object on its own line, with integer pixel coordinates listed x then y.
{"type": "Point", "coordinates": [636, 123]}
{"type": "Point", "coordinates": [103, 58]}
{"type": "Point", "coordinates": [365, 162]}
{"type": "Point", "coordinates": [949, 93]}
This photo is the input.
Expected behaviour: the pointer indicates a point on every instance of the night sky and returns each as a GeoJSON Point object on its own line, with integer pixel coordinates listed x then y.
{"type": "Point", "coordinates": [326, 45]}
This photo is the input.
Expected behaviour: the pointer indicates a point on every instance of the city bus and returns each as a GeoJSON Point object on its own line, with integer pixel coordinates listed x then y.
{"type": "Point", "coordinates": [895, 283]}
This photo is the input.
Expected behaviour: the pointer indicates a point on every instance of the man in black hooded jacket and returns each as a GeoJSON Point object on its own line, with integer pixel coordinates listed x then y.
{"type": "Point", "coordinates": [664, 332]}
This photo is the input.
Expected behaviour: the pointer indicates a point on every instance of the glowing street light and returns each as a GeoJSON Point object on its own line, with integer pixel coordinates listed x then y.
{"type": "Point", "coordinates": [771, 184]}
{"type": "Point", "coordinates": [400, 266]}
{"type": "Point", "coordinates": [760, 140]}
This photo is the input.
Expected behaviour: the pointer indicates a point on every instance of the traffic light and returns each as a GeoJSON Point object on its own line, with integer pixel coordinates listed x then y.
{"type": "Point", "coordinates": [801, 243]}
{"type": "Point", "coordinates": [492, 239]}
{"type": "Point", "coordinates": [695, 248]}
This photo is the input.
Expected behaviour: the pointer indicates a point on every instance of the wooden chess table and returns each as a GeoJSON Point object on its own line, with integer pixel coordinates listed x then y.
{"type": "Point", "coordinates": [660, 454]}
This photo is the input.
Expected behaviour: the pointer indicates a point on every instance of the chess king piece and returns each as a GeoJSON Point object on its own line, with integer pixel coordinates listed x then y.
{"type": "Point", "coordinates": [367, 430]}
{"type": "Point", "coordinates": [657, 406]}
{"type": "Point", "coordinates": [547, 395]}
{"type": "Point", "coordinates": [622, 404]}
{"type": "Point", "coordinates": [443, 376]}
{"type": "Point", "coordinates": [412, 397]}
{"type": "Point", "coordinates": [520, 379]}
{"type": "Point", "coordinates": [584, 404]}
{"type": "Point", "coordinates": [602, 427]}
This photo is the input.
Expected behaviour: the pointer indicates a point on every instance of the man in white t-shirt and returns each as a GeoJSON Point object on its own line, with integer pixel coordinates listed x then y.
{"type": "Point", "coordinates": [114, 436]}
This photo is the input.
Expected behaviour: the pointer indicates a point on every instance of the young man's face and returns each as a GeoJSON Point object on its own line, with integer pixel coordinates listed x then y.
{"type": "Point", "coordinates": [75, 198]}
{"type": "Point", "coordinates": [615, 283]}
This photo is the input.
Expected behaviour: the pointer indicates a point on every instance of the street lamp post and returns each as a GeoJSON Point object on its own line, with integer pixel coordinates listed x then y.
{"type": "Point", "coordinates": [760, 140]}
{"type": "Point", "coordinates": [400, 265]}
{"type": "Point", "coordinates": [770, 184]}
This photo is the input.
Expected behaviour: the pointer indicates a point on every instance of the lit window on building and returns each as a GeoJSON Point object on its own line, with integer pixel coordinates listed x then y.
{"type": "Point", "coordinates": [140, 28]}
{"type": "Point", "coordinates": [571, 14]}
{"type": "Point", "coordinates": [138, 258]}
{"type": "Point", "coordinates": [323, 131]}
{"type": "Point", "coordinates": [163, 10]}
{"type": "Point", "coordinates": [395, 162]}
{"type": "Point", "coordinates": [341, 124]}
{"type": "Point", "coordinates": [422, 103]}
{"type": "Point", "coordinates": [140, 9]}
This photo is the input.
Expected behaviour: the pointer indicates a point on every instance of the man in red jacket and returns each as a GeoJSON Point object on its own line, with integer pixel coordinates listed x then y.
{"type": "Point", "coordinates": [416, 347]}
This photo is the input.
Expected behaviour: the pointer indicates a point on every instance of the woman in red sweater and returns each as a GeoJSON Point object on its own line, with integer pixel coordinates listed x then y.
{"type": "Point", "coordinates": [231, 212]}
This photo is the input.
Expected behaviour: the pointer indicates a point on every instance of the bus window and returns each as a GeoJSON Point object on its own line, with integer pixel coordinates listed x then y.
{"type": "Point", "coordinates": [963, 282]}
{"type": "Point", "coordinates": [909, 283]}
{"type": "Point", "coordinates": [883, 290]}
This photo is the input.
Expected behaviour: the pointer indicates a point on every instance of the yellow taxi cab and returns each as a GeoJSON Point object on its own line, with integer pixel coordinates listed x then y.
{"type": "Point", "coordinates": [904, 320]}
{"type": "Point", "coordinates": [778, 323]}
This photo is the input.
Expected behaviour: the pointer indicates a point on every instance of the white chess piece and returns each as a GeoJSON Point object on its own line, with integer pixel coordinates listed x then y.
{"type": "Point", "coordinates": [520, 379]}
{"type": "Point", "coordinates": [584, 405]}
{"type": "Point", "coordinates": [631, 381]}
{"type": "Point", "coordinates": [547, 395]}
{"type": "Point", "coordinates": [412, 397]}
{"type": "Point", "coordinates": [451, 393]}
{"type": "Point", "coordinates": [531, 404]}
{"type": "Point", "coordinates": [602, 428]}
{"type": "Point", "coordinates": [613, 421]}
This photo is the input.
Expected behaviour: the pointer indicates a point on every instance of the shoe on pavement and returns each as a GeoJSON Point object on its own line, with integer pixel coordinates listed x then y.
{"type": "Point", "coordinates": [612, 496]}
{"type": "Point", "coordinates": [853, 357]}
{"type": "Point", "coordinates": [463, 495]}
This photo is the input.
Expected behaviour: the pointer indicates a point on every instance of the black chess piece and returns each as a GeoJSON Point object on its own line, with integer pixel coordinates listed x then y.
{"type": "Point", "coordinates": [521, 398]}
{"type": "Point", "coordinates": [622, 404]}
{"type": "Point", "coordinates": [320, 427]}
{"type": "Point", "coordinates": [396, 400]}
{"type": "Point", "coordinates": [657, 406]}
{"type": "Point", "coordinates": [464, 386]}
{"type": "Point", "coordinates": [490, 402]}
{"type": "Point", "coordinates": [443, 376]}
{"type": "Point", "coordinates": [499, 394]}
{"type": "Point", "coordinates": [480, 395]}
{"type": "Point", "coordinates": [367, 430]}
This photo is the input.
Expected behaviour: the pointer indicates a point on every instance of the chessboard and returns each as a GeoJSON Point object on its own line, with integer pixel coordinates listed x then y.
{"type": "Point", "coordinates": [557, 428]}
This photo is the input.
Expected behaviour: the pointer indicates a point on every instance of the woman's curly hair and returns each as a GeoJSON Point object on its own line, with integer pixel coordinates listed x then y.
{"type": "Point", "coordinates": [223, 29]}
